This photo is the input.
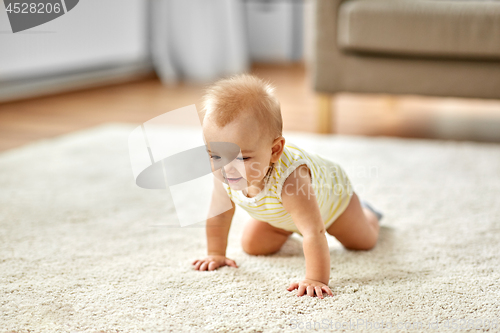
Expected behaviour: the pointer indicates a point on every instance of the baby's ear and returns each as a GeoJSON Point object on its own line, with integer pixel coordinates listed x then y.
{"type": "Point", "coordinates": [277, 148]}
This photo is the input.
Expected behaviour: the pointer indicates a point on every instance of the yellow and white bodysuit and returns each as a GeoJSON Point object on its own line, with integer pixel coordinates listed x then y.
{"type": "Point", "coordinates": [331, 185]}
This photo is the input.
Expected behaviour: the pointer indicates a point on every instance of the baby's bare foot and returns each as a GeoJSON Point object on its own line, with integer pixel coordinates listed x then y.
{"type": "Point", "coordinates": [377, 213]}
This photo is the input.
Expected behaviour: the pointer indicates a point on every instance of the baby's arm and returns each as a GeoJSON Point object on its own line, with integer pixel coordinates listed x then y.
{"type": "Point", "coordinates": [300, 201]}
{"type": "Point", "coordinates": [217, 231]}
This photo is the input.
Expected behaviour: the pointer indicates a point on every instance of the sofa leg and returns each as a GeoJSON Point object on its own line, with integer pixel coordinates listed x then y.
{"type": "Point", "coordinates": [325, 110]}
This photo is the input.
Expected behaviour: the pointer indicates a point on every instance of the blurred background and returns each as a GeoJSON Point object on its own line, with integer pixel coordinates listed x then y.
{"type": "Point", "coordinates": [409, 68]}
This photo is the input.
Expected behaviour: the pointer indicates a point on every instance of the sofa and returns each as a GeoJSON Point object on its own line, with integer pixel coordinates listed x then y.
{"type": "Point", "coordinates": [445, 48]}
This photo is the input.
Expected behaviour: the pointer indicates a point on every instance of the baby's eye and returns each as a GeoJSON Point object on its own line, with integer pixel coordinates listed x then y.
{"type": "Point", "coordinates": [215, 157]}
{"type": "Point", "coordinates": [243, 158]}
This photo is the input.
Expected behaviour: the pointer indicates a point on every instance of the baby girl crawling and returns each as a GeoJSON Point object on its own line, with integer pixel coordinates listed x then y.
{"type": "Point", "coordinates": [284, 188]}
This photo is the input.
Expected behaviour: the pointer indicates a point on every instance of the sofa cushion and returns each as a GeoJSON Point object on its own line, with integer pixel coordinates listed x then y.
{"type": "Point", "coordinates": [430, 28]}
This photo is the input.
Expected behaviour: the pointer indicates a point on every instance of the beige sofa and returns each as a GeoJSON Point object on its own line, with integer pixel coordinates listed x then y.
{"type": "Point", "coordinates": [425, 47]}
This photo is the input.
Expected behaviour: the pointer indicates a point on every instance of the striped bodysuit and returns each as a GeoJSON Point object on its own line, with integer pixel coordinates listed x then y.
{"type": "Point", "coordinates": [331, 186]}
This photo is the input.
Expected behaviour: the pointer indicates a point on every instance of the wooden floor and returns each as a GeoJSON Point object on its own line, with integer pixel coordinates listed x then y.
{"type": "Point", "coordinates": [28, 120]}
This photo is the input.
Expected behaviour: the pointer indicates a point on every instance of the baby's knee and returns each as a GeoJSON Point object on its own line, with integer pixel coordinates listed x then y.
{"type": "Point", "coordinates": [251, 247]}
{"type": "Point", "coordinates": [367, 245]}
{"type": "Point", "coordinates": [256, 246]}
{"type": "Point", "coordinates": [259, 238]}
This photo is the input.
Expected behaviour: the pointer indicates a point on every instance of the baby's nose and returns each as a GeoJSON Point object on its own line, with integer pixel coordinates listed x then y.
{"type": "Point", "coordinates": [228, 168]}
{"type": "Point", "coordinates": [232, 167]}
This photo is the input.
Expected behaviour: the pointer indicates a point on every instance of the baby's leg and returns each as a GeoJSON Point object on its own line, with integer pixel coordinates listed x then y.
{"type": "Point", "coordinates": [357, 228]}
{"type": "Point", "coordinates": [262, 238]}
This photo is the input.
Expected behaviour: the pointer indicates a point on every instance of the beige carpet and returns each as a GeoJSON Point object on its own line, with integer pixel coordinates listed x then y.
{"type": "Point", "coordinates": [82, 249]}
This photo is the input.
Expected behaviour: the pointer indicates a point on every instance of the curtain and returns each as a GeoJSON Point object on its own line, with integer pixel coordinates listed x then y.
{"type": "Point", "coordinates": [198, 40]}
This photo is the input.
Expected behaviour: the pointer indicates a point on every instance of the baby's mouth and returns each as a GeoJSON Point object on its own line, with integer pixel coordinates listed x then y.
{"type": "Point", "coordinates": [234, 180]}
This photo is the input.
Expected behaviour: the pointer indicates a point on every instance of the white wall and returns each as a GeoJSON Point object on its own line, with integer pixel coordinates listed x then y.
{"type": "Point", "coordinates": [94, 33]}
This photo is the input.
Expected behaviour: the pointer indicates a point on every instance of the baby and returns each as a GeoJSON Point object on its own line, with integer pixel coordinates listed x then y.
{"type": "Point", "coordinates": [284, 188]}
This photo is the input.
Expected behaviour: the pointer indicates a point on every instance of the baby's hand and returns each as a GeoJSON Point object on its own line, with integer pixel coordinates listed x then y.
{"type": "Point", "coordinates": [213, 262]}
{"type": "Point", "coordinates": [310, 286]}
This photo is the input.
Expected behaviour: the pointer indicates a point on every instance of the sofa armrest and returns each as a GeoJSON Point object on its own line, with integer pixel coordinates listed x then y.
{"type": "Point", "coordinates": [325, 49]}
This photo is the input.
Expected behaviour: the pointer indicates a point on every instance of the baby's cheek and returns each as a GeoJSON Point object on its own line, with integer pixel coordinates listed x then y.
{"type": "Point", "coordinates": [255, 171]}
{"type": "Point", "coordinates": [253, 174]}
{"type": "Point", "coordinates": [247, 172]}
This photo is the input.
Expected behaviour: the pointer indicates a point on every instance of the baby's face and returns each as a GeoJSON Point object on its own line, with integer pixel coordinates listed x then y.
{"type": "Point", "coordinates": [250, 167]}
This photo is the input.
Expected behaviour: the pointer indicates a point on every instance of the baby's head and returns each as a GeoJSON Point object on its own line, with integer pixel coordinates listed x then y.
{"type": "Point", "coordinates": [243, 110]}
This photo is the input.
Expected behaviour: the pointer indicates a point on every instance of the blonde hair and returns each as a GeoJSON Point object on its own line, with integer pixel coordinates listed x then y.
{"type": "Point", "coordinates": [229, 98]}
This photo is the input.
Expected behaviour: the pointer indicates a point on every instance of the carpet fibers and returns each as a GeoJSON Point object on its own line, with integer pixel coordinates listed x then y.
{"type": "Point", "coordinates": [83, 249]}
